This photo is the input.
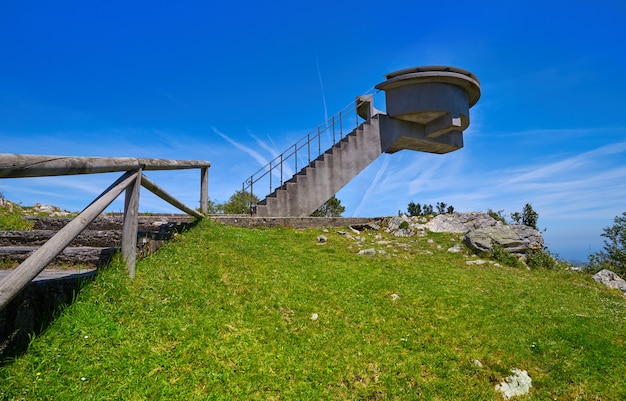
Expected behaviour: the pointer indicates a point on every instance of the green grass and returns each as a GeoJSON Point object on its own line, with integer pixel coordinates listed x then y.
{"type": "Point", "coordinates": [226, 313]}
{"type": "Point", "coordinates": [12, 218]}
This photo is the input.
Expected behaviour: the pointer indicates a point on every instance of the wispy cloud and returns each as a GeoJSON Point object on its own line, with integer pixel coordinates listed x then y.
{"type": "Point", "coordinates": [249, 151]}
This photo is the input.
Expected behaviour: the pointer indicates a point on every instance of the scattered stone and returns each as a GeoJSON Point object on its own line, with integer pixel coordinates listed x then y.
{"type": "Point", "coordinates": [477, 363]}
{"type": "Point", "coordinates": [314, 316]}
{"type": "Point", "coordinates": [368, 252]}
{"type": "Point", "coordinates": [354, 230]}
{"type": "Point", "coordinates": [395, 297]}
{"type": "Point", "coordinates": [456, 248]}
{"type": "Point", "coordinates": [517, 384]}
{"type": "Point", "coordinates": [322, 239]}
{"type": "Point", "coordinates": [404, 232]}
{"type": "Point", "coordinates": [476, 262]}
{"type": "Point", "coordinates": [610, 279]}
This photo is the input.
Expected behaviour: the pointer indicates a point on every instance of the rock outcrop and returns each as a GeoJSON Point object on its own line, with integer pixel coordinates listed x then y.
{"type": "Point", "coordinates": [515, 238]}
{"type": "Point", "coordinates": [610, 279]}
{"type": "Point", "coordinates": [481, 231]}
{"type": "Point", "coordinates": [461, 222]}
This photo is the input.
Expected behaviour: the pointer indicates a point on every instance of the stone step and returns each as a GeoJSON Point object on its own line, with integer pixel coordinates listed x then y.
{"type": "Point", "coordinates": [115, 222]}
{"type": "Point", "coordinates": [83, 255]}
{"type": "Point", "coordinates": [99, 238]}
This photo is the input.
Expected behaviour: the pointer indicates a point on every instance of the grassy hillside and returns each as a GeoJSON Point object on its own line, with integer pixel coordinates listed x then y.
{"type": "Point", "coordinates": [231, 313]}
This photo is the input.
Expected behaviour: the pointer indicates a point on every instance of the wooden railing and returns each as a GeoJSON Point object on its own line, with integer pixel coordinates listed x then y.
{"type": "Point", "coordinates": [15, 165]}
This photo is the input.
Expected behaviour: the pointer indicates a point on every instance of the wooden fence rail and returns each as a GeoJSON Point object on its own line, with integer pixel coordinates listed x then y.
{"type": "Point", "coordinates": [14, 165]}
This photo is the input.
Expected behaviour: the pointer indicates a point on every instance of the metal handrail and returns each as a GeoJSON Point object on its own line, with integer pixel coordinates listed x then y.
{"type": "Point", "coordinates": [334, 128]}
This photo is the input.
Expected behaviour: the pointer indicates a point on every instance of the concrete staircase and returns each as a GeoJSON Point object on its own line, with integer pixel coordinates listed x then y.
{"type": "Point", "coordinates": [325, 176]}
{"type": "Point", "coordinates": [427, 110]}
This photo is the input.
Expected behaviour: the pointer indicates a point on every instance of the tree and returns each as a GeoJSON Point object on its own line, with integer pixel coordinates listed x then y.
{"type": "Point", "coordinates": [414, 209]}
{"type": "Point", "coordinates": [529, 216]}
{"type": "Point", "coordinates": [239, 203]}
{"type": "Point", "coordinates": [330, 208]}
{"type": "Point", "coordinates": [213, 207]}
{"type": "Point", "coordinates": [427, 210]}
{"type": "Point", "coordinates": [441, 207]}
{"type": "Point", "coordinates": [613, 256]}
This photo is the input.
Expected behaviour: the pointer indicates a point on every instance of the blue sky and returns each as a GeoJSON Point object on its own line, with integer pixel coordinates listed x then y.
{"type": "Point", "coordinates": [236, 83]}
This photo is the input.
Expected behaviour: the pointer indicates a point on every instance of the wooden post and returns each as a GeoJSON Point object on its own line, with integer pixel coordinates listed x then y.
{"type": "Point", "coordinates": [131, 222]}
{"type": "Point", "coordinates": [204, 190]}
{"type": "Point", "coordinates": [15, 281]}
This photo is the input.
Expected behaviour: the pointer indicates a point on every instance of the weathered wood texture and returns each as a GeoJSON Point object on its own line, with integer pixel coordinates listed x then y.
{"type": "Point", "coordinates": [11, 285]}
{"type": "Point", "coordinates": [129, 228]}
{"type": "Point", "coordinates": [18, 165]}
{"type": "Point", "coordinates": [204, 190]}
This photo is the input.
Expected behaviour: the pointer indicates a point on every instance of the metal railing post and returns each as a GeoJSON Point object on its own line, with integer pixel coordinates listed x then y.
{"type": "Point", "coordinates": [333, 130]}
{"type": "Point", "coordinates": [319, 141]}
{"type": "Point", "coordinates": [243, 195]}
{"type": "Point", "coordinates": [340, 126]}
{"type": "Point", "coordinates": [250, 198]}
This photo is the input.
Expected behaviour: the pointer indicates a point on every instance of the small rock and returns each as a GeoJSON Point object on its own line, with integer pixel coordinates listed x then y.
{"type": "Point", "coordinates": [395, 297]}
{"type": "Point", "coordinates": [456, 248]}
{"type": "Point", "coordinates": [314, 316]}
{"type": "Point", "coordinates": [368, 252]}
{"type": "Point", "coordinates": [478, 363]}
{"type": "Point", "coordinates": [517, 384]}
{"type": "Point", "coordinates": [476, 262]}
{"type": "Point", "coordinates": [610, 279]}
{"type": "Point", "coordinates": [321, 239]}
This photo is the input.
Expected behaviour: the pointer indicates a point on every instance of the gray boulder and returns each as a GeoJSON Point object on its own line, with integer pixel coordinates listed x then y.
{"type": "Point", "coordinates": [460, 222]}
{"type": "Point", "coordinates": [515, 238]}
{"type": "Point", "coordinates": [610, 279]}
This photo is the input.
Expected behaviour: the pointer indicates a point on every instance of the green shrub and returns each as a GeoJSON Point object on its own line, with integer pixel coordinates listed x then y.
{"type": "Point", "coordinates": [540, 259]}
{"type": "Point", "coordinates": [613, 256]}
{"type": "Point", "coordinates": [503, 256]}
